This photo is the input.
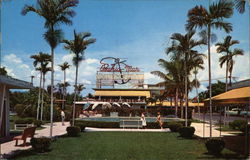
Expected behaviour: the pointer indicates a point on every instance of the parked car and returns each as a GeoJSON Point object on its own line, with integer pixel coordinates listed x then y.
{"type": "Point", "coordinates": [234, 112]}
{"type": "Point", "coordinates": [243, 113]}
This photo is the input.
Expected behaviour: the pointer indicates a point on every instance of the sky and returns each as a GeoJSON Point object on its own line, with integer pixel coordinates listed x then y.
{"type": "Point", "coordinates": [138, 30]}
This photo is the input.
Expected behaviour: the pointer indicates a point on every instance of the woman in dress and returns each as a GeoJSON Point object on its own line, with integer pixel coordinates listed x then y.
{"type": "Point", "coordinates": [159, 120]}
{"type": "Point", "coordinates": [143, 119]}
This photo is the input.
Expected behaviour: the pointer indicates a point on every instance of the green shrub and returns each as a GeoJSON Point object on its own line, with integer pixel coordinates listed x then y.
{"type": "Point", "coordinates": [187, 132]}
{"type": "Point", "coordinates": [238, 124]}
{"type": "Point", "coordinates": [215, 146]}
{"type": "Point", "coordinates": [184, 123]}
{"type": "Point", "coordinates": [38, 123]}
{"type": "Point", "coordinates": [73, 131]}
{"type": "Point", "coordinates": [245, 129]}
{"type": "Point", "coordinates": [174, 126]}
{"type": "Point", "coordinates": [24, 121]}
{"type": "Point", "coordinates": [40, 144]}
{"type": "Point", "coordinates": [81, 126]}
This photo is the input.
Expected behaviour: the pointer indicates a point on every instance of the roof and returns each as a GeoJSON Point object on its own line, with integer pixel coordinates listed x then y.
{"type": "Point", "coordinates": [13, 83]}
{"type": "Point", "coordinates": [239, 95]}
{"type": "Point", "coordinates": [127, 93]}
{"type": "Point", "coordinates": [167, 103]}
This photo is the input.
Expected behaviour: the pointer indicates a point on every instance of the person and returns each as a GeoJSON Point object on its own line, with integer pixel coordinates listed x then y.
{"type": "Point", "coordinates": [62, 116]}
{"type": "Point", "coordinates": [143, 119]}
{"type": "Point", "coordinates": [159, 120]}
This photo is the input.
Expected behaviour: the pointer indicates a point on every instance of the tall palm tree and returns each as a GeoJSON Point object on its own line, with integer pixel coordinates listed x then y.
{"type": "Point", "coordinates": [213, 17]}
{"type": "Point", "coordinates": [230, 61]}
{"type": "Point", "coordinates": [183, 47]}
{"type": "Point", "coordinates": [225, 47]}
{"type": "Point", "coordinates": [55, 12]}
{"type": "Point", "coordinates": [77, 46]}
{"type": "Point", "coordinates": [63, 67]}
{"type": "Point", "coordinates": [44, 70]}
{"type": "Point", "coordinates": [39, 61]}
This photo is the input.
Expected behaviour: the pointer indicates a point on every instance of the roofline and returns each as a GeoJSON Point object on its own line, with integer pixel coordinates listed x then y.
{"type": "Point", "coordinates": [14, 83]}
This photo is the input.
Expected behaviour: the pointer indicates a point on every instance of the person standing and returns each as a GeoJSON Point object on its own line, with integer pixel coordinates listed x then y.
{"type": "Point", "coordinates": [159, 120]}
{"type": "Point", "coordinates": [62, 116]}
{"type": "Point", "coordinates": [143, 119]}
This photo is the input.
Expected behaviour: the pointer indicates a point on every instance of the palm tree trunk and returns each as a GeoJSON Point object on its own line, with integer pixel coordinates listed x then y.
{"type": "Point", "coordinates": [74, 105]}
{"type": "Point", "coordinates": [186, 92]}
{"type": "Point", "coordinates": [227, 74]}
{"type": "Point", "coordinates": [209, 81]}
{"type": "Point", "coordinates": [64, 80]}
{"type": "Point", "coordinates": [197, 94]}
{"type": "Point", "coordinates": [39, 97]}
{"type": "Point", "coordinates": [52, 90]}
{"type": "Point", "coordinates": [42, 97]}
{"type": "Point", "coordinates": [181, 105]}
{"type": "Point", "coordinates": [230, 76]}
{"type": "Point", "coordinates": [176, 102]}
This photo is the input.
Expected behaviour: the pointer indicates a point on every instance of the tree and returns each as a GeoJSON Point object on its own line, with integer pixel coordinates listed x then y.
{"type": "Point", "coordinates": [183, 47]}
{"type": "Point", "coordinates": [55, 12]}
{"type": "Point", "coordinates": [79, 89]}
{"type": "Point", "coordinates": [40, 60]}
{"type": "Point", "coordinates": [213, 17]}
{"type": "Point", "coordinates": [229, 58]}
{"type": "Point", "coordinates": [44, 69]}
{"type": "Point", "coordinates": [77, 46]}
{"type": "Point", "coordinates": [225, 47]}
{"type": "Point", "coordinates": [3, 71]}
{"type": "Point", "coordinates": [63, 67]}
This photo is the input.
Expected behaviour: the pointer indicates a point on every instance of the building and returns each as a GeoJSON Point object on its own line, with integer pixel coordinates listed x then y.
{"type": "Point", "coordinates": [7, 83]}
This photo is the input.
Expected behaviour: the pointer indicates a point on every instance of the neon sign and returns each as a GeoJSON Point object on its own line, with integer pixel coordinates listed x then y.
{"type": "Point", "coordinates": [117, 66]}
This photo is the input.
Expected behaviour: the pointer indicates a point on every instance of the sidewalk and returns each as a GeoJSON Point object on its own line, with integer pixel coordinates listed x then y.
{"type": "Point", "coordinates": [215, 133]}
{"type": "Point", "coordinates": [58, 129]}
{"type": "Point", "coordinates": [90, 129]}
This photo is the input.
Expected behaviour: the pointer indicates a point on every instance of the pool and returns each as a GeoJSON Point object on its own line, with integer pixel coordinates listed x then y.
{"type": "Point", "coordinates": [118, 119]}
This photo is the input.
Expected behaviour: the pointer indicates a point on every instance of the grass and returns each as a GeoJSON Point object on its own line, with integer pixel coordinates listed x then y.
{"type": "Point", "coordinates": [125, 146]}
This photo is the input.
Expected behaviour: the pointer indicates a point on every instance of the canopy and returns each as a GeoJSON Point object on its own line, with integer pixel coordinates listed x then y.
{"type": "Point", "coordinates": [235, 96]}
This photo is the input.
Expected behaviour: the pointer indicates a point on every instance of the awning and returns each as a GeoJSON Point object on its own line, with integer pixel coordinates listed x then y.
{"type": "Point", "coordinates": [235, 96]}
{"type": "Point", "coordinates": [167, 103]}
{"type": "Point", "coordinates": [123, 93]}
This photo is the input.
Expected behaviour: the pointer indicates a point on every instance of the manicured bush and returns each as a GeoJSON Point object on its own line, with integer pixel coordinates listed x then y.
{"type": "Point", "coordinates": [73, 131]}
{"type": "Point", "coordinates": [24, 121]}
{"type": "Point", "coordinates": [238, 124]}
{"type": "Point", "coordinates": [187, 132]}
{"type": "Point", "coordinates": [245, 128]}
{"type": "Point", "coordinates": [40, 144]}
{"type": "Point", "coordinates": [174, 126]}
{"type": "Point", "coordinates": [81, 126]}
{"type": "Point", "coordinates": [215, 146]}
{"type": "Point", "coordinates": [38, 123]}
{"type": "Point", "coordinates": [155, 125]}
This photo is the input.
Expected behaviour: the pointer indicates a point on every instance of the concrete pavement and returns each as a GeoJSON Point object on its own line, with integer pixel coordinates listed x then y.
{"type": "Point", "coordinates": [9, 147]}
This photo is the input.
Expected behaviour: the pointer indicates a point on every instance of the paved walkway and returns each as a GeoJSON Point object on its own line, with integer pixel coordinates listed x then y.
{"type": "Point", "coordinates": [8, 147]}
{"type": "Point", "coordinates": [215, 133]}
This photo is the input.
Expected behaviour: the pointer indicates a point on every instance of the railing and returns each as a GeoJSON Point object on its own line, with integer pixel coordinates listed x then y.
{"type": "Point", "coordinates": [19, 127]}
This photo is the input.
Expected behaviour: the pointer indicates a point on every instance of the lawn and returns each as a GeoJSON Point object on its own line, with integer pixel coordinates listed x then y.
{"type": "Point", "coordinates": [124, 146]}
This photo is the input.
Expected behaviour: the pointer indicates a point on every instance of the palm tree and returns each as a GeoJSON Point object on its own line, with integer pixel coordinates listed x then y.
{"type": "Point", "coordinates": [182, 47]}
{"type": "Point", "coordinates": [213, 17]}
{"type": "Point", "coordinates": [39, 61]}
{"type": "Point", "coordinates": [79, 89]}
{"type": "Point", "coordinates": [229, 60]}
{"type": "Point", "coordinates": [63, 67]}
{"type": "Point", "coordinates": [225, 47]}
{"type": "Point", "coordinates": [77, 46]}
{"type": "Point", "coordinates": [44, 70]}
{"type": "Point", "coordinates": [55, 12]}
{"type": "Point", "coordinates": [172, 78]}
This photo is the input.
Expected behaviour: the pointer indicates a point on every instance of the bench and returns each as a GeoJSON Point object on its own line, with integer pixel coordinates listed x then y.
{"type": "Point", "coordinates": [20, 127]}
{"type": "Point", "coordinates": [127, 123]}
{"type": "Point", "coordinates": [28, 132]}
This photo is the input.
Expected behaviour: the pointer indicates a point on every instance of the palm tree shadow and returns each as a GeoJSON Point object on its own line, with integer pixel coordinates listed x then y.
{"type": "Point", "coordinates": [222, 156]}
